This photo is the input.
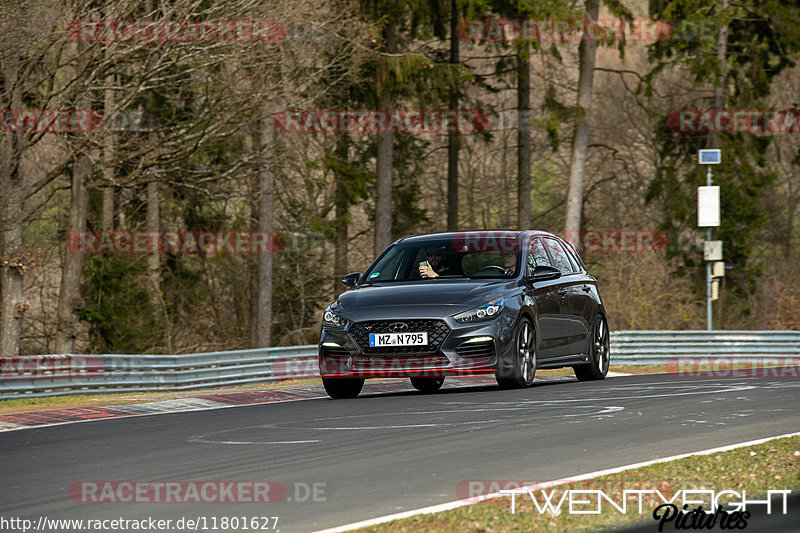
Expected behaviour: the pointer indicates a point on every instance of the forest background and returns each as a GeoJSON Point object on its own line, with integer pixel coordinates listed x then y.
{"type": "Point", "coordinates": [189, 133]}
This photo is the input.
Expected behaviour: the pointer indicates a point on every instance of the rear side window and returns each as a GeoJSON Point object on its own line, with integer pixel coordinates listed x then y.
{"type": "Point", "coordinates": [537, 255]}
{"type": "Point", "coordinates": [575, 257]}
{"type": "Point", "coordinates": [559, 255]}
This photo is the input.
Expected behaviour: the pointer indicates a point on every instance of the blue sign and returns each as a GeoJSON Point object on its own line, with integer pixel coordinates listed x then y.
{"type": "Point", "coordinates": [710, 157]}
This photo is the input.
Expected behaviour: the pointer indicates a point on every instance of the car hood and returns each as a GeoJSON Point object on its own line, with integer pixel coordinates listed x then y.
{"type": "Point", "coordinates": [429, 298]}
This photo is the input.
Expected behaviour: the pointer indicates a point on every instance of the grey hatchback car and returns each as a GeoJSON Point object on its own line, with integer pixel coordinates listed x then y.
{"type": "Point", "coordinates": [448, 304]}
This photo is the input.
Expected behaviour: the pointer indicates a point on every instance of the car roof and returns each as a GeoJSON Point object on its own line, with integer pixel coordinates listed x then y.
{"type": "Point", "coordinates": [451, 234]}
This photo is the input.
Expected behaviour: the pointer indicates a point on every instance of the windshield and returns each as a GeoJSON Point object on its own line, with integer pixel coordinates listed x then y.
{"type": "Point", "coordinates": [442, 259]}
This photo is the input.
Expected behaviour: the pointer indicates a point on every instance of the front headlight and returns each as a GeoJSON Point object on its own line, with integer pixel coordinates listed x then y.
{"type": "Point", "coordinates": [486, 311]}
{"type": "Point", "coordinates": [333, 320]}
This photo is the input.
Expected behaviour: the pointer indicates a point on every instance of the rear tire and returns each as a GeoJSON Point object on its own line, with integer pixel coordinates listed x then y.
{"type": "Point", "coordinates": [427, 385]}
{"type": "Point", "coordinates": [343, 388]}
{"type": "Point", "coordinates": [524, 364]}
{"type": "Point", "coordinates": [599, 353]}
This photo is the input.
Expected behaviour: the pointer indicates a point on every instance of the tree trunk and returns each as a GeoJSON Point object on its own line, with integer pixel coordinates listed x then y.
{"type": "Point", "coordinates": [265, 197]}
{"type": "Point", "coordinates": [70, 303]}
{"type": "Point", "coordinates": [107, 216]}
{"type": "Point", "coordinates": [470, 193]}
{"type": "Point", "coordinates": [719, 91]}
{"type": "Point", "coordinates": [524, 137]}
{"type": "Point", "coordinates": [720, 102]}
{"type": "Point", "coordinates": [12, 297]}
{"type": "Point", "coordinates": [11, 279]}
{"type": "Point", "coordinates": [341, 202]}
{"type": "Point", "coordinates": [580, 139]}
{"type": "Point", "coordinates": [153, 218]}
{"type": "Point", "coordinates": [107, 222]}
{"type": "Point", "coordinates": [152, 226]}
{"type": "Point", "coordinates": [252, 266]}
{"type": "Point", "coordinates": [453, 138]}
{"type": "Point", "coordinates": [383, 177]}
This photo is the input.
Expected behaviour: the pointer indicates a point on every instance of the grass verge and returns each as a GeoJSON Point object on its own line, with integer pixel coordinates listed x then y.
{"type": "Point", "coordinates": [773, 465]}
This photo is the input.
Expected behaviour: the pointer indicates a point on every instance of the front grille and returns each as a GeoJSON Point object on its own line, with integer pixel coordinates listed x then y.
{"type": "Point", "coordinates": [437, 332]}
{"type": "Point", "coordinates": [476, 349]}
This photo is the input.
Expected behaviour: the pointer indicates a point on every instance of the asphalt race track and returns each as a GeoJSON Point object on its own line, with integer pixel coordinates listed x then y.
{"type": "Point", "coordinates": [387, 452]}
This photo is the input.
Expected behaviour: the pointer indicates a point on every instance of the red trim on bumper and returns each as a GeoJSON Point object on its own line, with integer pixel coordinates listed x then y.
{"type": "Point", "coordinates": [428, 372]}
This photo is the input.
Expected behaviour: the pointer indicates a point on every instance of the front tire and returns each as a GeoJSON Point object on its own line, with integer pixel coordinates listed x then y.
{"type": "Point", "coordinates": [427, 385]}
{"type": "Point", "coordinates": [523, 366]}
{"type": "Point", "coordinates": [343, 388]}
{"type": "Point", "coordinates": [599, 353]}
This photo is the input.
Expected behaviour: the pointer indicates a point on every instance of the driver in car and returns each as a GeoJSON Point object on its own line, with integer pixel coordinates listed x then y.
{"type": "Point", "coordinates": [509, 261]}
{"type": "Point", "coordinates": [435, 265]}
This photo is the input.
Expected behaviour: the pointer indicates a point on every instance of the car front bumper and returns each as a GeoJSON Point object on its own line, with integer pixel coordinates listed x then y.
{"type": "Point", "coordinates": [467, 348]}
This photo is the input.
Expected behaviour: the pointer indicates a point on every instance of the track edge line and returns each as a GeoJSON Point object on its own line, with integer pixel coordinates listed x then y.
{"type": "Point", "coordinates": [581, 477]}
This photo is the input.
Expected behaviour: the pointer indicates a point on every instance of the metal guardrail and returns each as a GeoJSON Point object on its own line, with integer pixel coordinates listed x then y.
{"type": "Point", "coordinates": [674, 347]}
{"type": "Point", "coordinates": [55, 375]}
{"type": "Point", "coordinates": [30, 376]}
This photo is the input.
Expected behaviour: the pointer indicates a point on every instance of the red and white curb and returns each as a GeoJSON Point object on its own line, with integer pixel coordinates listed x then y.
{"type": "Point", "coordinates": [212, 401]}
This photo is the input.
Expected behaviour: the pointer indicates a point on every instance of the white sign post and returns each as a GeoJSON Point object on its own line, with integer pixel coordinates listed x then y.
{"type": "Point", "coordinates": [708, 217]}
{"type": "Point", "coordinates": [708, 206]}
{"type": "Point", "coordinates": [712, 251]}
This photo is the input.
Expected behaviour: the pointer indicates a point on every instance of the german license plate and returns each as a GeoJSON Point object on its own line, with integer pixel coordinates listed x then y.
{"type": "Point", "coordinates": [377, 340]}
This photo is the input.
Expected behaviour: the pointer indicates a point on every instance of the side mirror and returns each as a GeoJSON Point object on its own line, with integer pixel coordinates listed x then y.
{"type": "Point", "coordinates": [351, 279]}
{"type": "Point", "coordinates": [545, 273]}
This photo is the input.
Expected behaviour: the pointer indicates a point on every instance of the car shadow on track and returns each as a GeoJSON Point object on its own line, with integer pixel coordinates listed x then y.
{"type": "Point", "coordinates": [457, 389]}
